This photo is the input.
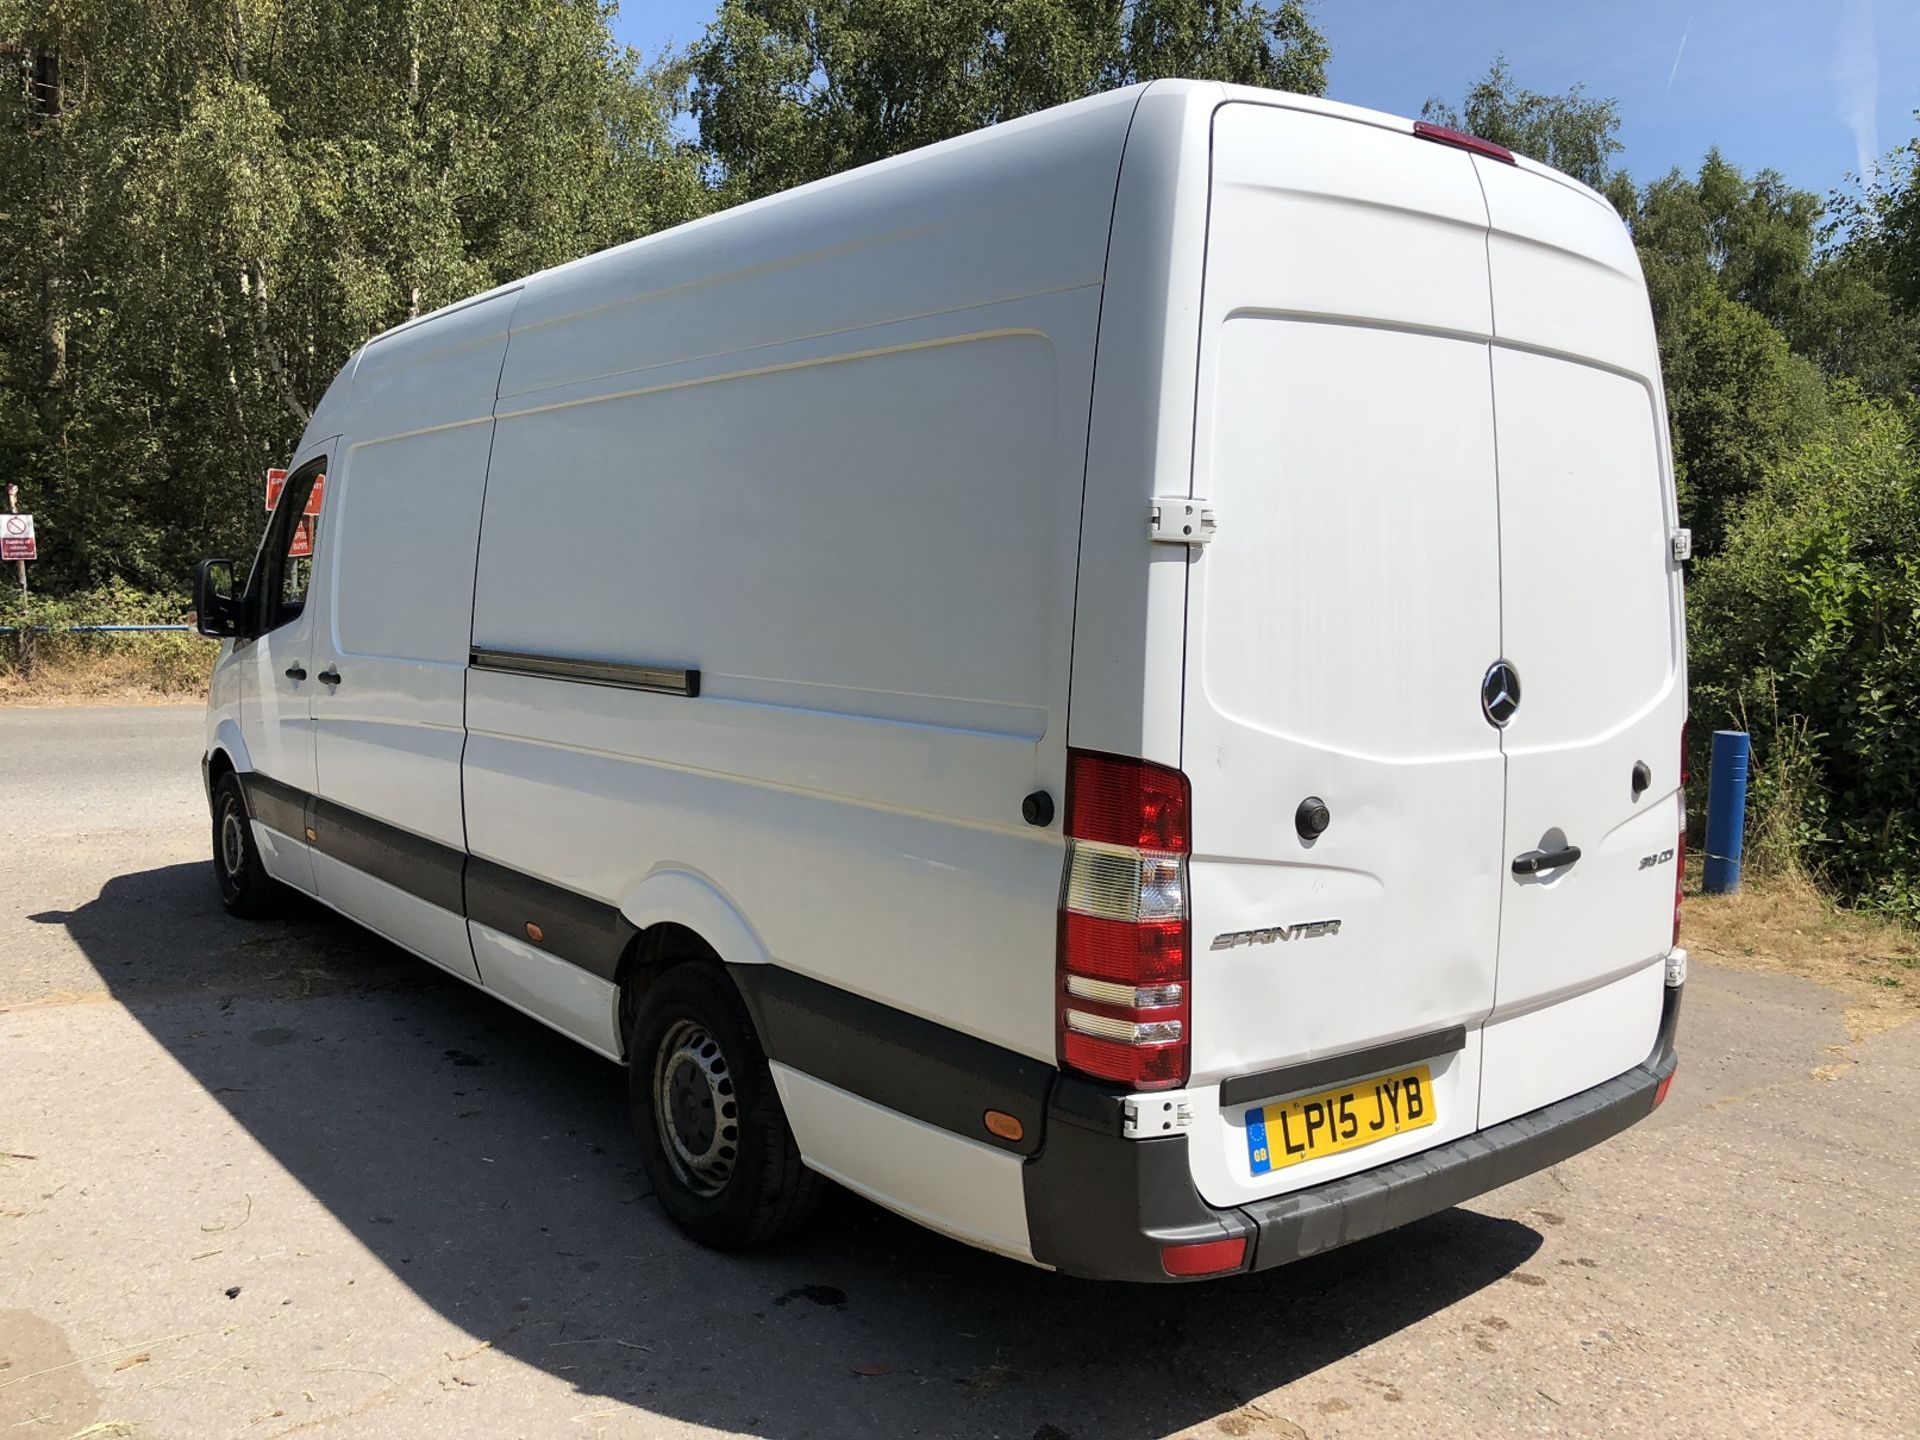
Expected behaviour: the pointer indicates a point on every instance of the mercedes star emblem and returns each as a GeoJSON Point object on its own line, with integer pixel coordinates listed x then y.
{"type": "Point", "coordinates": [1500, 693]}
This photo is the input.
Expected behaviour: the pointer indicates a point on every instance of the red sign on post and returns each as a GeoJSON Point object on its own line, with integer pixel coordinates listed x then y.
{"type": "Point", "coordinates": [16, 538]}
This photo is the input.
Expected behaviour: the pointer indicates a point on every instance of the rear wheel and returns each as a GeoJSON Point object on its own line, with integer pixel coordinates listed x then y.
{"type": "Point", "coordinates": [245, 887]}
{"type": "Point", "coordinates": [712, 1134]}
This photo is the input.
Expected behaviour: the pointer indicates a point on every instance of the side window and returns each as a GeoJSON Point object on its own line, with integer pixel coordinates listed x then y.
{"type": "Point", "coordinates": [283, 570]}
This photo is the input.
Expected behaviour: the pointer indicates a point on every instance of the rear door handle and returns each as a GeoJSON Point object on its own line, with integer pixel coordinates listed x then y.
{"type": "Point", "coordinates": [296, 671]}
{"type": "Point", "coordinates": [331, 676]}
{"type": "Point", "coordinates": [1531, 863]}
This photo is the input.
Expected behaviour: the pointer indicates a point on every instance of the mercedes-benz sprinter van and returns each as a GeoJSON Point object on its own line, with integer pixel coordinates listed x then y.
{"type": "Point", "coordinates": [1114, 684]}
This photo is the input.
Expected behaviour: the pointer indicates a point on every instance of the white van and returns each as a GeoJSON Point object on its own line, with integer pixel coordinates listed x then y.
{"type": "Point", "coordinates": [1114, 684]}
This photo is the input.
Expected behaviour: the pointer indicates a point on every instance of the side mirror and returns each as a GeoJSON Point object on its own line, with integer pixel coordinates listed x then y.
{"type": "Point", "coordinates": [216, 607]}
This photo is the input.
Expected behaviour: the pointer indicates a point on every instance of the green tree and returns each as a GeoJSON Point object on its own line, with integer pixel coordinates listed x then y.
{"type": "Point", "coordinates": [1228, 40]}
{"type": "Point", "coordinates": [1752, 237]}
{"type": "Point", "coordinates": [1884, 223]}
{"type": "Point", "coordinates": [219, 201]}
{"type": "Point", "coordinates": [1739, 403]}
{"type": "Point", "coordinates": [788, 91]}
{"type": "Point", "coordinates": [1573, 132]}
{"type": "Point", "coordinates": [1862, 316]}
{"type": "Point", "coordinates": [1806, 631]}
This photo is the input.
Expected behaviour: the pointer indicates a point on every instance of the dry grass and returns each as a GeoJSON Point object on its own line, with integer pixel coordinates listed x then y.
{"type": "Point", "coordinates": [136, 670]}
{"type": "Point", "coordinates": [1785, 927]}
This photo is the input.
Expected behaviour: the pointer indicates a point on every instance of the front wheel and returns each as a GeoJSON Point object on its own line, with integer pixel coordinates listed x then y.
{"type": "Point", "coordinates": [245, 887]}
{"type": "Point", "coordinates": [713, 1137]}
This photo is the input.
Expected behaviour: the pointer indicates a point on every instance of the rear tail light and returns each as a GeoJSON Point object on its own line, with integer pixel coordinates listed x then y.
{"type": "Point", "coordinates": [1460, 138]}
{"type": "Point", "coordinates": [1659, 1094]}
{"type": "Point", "coordinates": [1124, 957]}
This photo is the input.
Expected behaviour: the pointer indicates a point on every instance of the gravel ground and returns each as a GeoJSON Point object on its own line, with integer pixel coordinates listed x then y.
{"type": "Point", "coordinates": [265, 1179]}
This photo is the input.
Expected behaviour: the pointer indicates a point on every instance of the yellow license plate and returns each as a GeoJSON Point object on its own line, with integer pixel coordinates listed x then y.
{"type": "Point", "coordinates": [1309, 1127]}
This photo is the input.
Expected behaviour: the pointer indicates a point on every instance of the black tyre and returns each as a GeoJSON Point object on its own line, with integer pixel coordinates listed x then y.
{"type": "Point", "coordinates": [245, 887]}
{"type": "Point", "coordinates": [712, 1134]}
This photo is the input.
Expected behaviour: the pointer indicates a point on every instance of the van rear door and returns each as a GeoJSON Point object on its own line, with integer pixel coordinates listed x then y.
{"type": "Point", "coordinates": [1592, 625]}
{"type": "Point", "coordinates": [1339, 627]}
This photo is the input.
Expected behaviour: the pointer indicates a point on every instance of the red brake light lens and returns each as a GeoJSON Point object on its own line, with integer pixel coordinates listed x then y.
{"type": "Point", "coordinates": [1145, 1067]}
{"type": "Point", "coordinates": [1127, 802]}
{"type": "Point", "coordinates": [1428, 131]}
{"type": "Point", "coordinates": [1124, 952]}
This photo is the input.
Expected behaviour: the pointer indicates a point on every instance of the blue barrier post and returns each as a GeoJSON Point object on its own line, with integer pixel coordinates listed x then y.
{"type": "Point", "coordinates": [1726, 812]}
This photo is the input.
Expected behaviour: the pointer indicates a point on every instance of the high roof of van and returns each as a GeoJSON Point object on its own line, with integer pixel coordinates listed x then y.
{"type": "Point", "coordinates": [1023, 208]}
{"type": "Point", "coordinates": [1033, 191]}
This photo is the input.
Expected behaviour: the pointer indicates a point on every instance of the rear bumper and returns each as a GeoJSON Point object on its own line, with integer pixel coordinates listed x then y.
{"type": "Point", "coordinates": [1102, 1206]}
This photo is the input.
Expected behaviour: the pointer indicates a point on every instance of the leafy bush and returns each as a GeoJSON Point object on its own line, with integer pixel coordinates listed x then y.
{"type": "Point", "coordinates": [1806, 632]}
{"type": "Point", "coordinates": [68, 662]}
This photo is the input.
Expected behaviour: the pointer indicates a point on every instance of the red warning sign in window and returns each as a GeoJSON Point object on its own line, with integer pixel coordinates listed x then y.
{"type": "Point", "coordinates": [277, 481]}
{"type": "Point", "coordinates": [301, 546]}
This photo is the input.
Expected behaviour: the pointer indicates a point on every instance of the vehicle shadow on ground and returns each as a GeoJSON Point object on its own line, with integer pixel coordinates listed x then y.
{"type": "Point", "coordinates": [487, 1163]}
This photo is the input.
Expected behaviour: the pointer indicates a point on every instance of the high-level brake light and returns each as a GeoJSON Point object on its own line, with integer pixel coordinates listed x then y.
{"type": "Point", "coordinates": [1428, 131]}
{"type": "Point", "coordinates": [1124, 952]}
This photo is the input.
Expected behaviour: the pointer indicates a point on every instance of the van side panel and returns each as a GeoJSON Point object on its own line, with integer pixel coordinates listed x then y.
{"type": "Point", "coordinates": [959, 1187]}
{"type": "Point", "coordinates": [842, 536]}
{"type": "Point", "coordinates": [847, 494]}
{"type": "Point", "coordinates": [1022, 209]}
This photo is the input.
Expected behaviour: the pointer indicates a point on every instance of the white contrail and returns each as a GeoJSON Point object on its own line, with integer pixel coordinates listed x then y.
{"type": "Point", "coordinates": [1684, 30]}
{"type": "Point", "coordinates": [1856, 83]}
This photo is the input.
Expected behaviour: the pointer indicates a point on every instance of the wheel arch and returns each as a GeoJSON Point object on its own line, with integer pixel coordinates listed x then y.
{"type": "Point", "coordinates": [228, 744]}
{"type": "Point", "coordinates": [679, 917]}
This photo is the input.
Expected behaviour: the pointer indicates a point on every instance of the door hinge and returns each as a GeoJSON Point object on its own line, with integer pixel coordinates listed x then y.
{"type": "Point", "coordinates": [1681, 542]}
{"type": "Point", "coordinates": [1144, 1116]}
{"type": "Point", "coordinates": [1176, 520]}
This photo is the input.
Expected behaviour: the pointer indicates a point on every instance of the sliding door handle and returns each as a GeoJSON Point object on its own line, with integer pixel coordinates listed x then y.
{"type": "Point", "coordinates": [331, 676]}
{"type": "Point", "coordinates": [1531, 863]}
{"type": "Point", "coordinates": [296, 671]}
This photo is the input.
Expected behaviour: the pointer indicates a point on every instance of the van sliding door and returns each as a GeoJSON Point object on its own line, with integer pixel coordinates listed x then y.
{"type": "Point", "coordinates": [389, 711]}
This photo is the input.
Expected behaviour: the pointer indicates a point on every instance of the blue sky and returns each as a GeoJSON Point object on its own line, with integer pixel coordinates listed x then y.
{"type": "Point", "coordinates": [1809, 87]}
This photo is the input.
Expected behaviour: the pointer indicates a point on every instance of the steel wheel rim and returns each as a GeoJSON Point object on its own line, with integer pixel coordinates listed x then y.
{"type": "Point", "coordinates": [233, 840]}
{"type": "Point", "coordinates": [695, 1109]}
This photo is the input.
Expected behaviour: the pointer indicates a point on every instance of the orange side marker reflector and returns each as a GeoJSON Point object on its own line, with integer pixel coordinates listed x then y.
{"type": "Point", "coordinates": [312, 834]}
{"type": "Point", "coordinates": [535, 933]}
{"type": "Point", "coordinates": [1006, 1126]}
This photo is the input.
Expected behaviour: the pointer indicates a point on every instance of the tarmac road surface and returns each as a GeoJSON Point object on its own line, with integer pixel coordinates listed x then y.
{"type": "Point", "coordinates": [278, 1178]}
